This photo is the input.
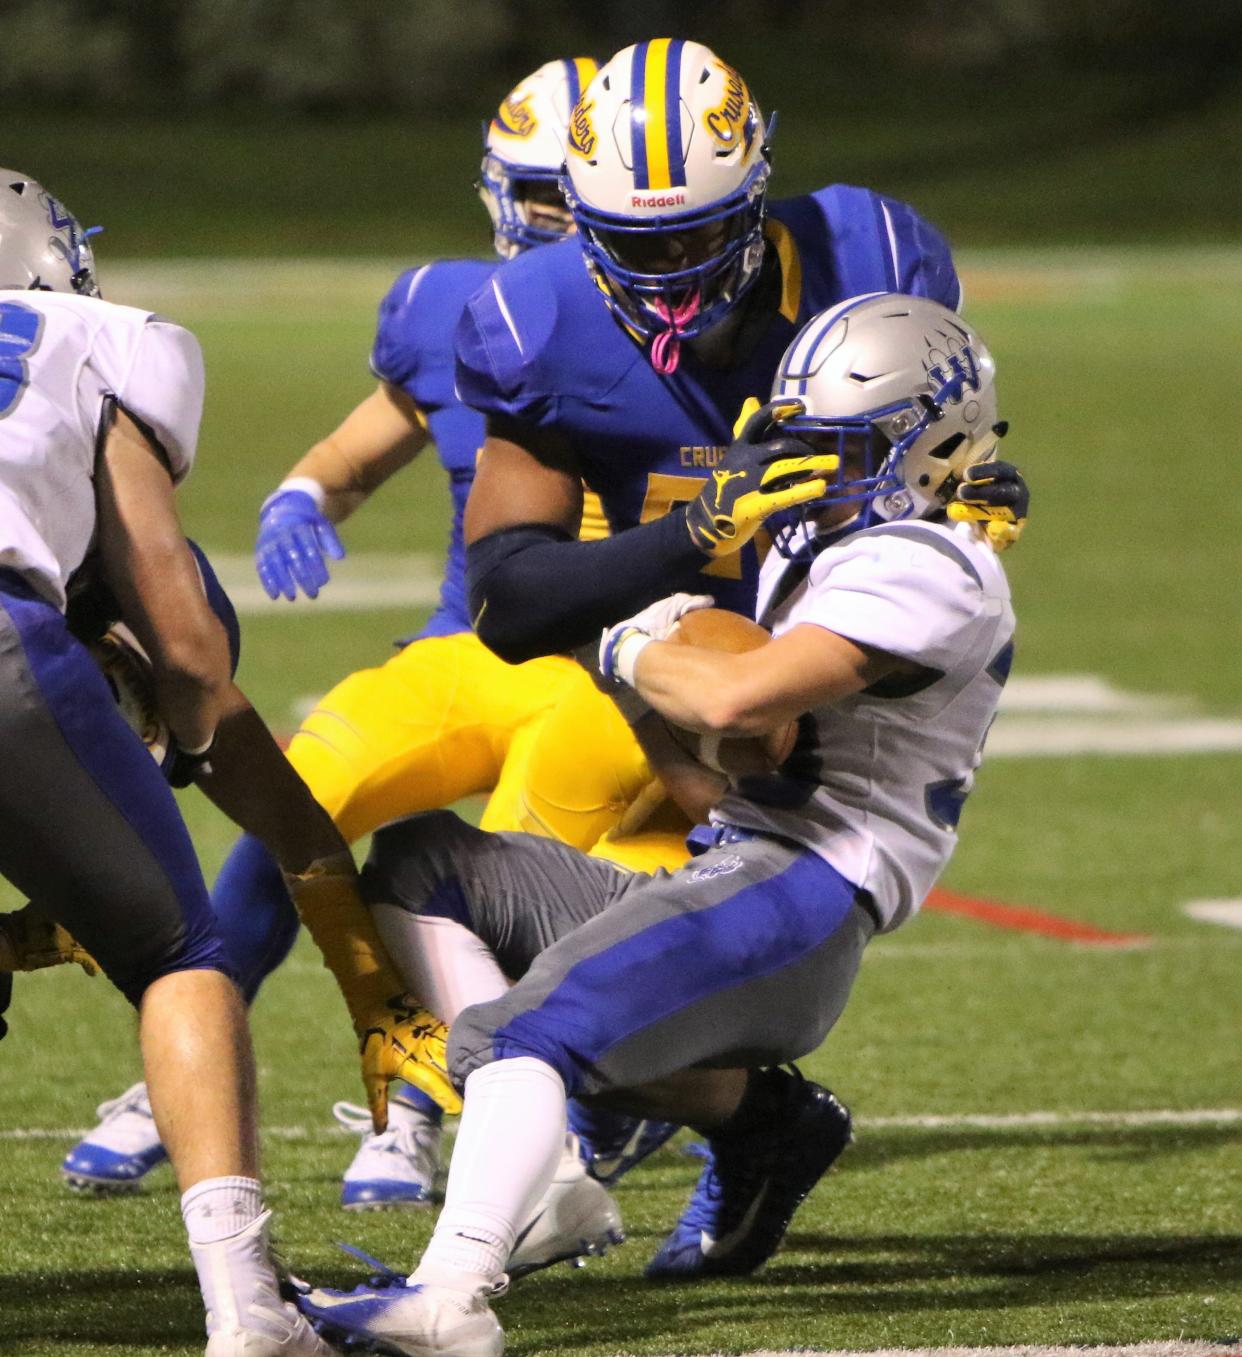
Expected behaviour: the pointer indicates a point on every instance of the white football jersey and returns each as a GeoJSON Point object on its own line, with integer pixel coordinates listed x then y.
{"type": "Point", "coordinates": [61, 357]}
{"type": "Point", "coordinates": [876, 781]}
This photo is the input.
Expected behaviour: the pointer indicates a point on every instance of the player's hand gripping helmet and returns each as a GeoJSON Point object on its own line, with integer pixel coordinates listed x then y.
{"type": "Point", "coordinates": [42, 244]}
{"type": "Point", "coordinates": [666, 174]}
{"type": "Point", "coordinates": [902, 390]}
{"type": "Point", "coordinates": [524, 152]}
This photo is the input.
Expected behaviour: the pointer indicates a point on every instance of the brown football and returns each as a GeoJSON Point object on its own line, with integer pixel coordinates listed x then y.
{"type": "Point", "coordinates": [719, 629]}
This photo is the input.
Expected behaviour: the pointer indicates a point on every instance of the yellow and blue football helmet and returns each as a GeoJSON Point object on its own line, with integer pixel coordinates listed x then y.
{"type": "Point", "coordinates": [523, 152]}
{"type": "Point", "coordinates": [666, 177]}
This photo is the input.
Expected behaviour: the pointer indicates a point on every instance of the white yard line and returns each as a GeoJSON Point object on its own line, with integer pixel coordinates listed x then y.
{"type": "Point", "coordinates": [1227, 913]}
{"type": "Point", "coordinates": [1015, 738]}
{"type": "Point", "coordinates": [362, 582]}
{"type": "Point", "coordinates": [967, 1121]}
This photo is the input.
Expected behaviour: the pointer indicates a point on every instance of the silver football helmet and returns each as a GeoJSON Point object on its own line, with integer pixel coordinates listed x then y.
{"type": "Point", "coordinates": [42, 244]}
{"type": "Point", "coordinates": [903, 390]}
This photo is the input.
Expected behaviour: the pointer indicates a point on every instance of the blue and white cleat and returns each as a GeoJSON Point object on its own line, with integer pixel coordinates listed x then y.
{"type": "Point", "coordinates": [575, 1218]}
{"type": "Point", "coordinates": [391, 1316]}
{"type": "Point", "coordinates": [396, 1169]}
{"type": "Point", "coordinates": [121, 1150]}
{"type": "Point", "coordinates": [612, 1143]}
{"type": "Point", "coordinates": [750, 1188]}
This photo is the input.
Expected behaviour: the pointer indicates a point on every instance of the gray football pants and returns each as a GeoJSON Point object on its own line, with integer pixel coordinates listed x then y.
{"type": "Point", "coordinates": [744, 957]}
{"type": "Point", "coordinates": [88, 826]}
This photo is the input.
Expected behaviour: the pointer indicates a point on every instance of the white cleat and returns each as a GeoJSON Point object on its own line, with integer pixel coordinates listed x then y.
{"type": "Point", "coordinates": [395, 1169]}
{"type": "Point", "coordinates": [413, 1321]}
{"type": "Point", "coordinates": [245, 1314]}
{"type": "Point", "coordinates": [121, 1150]}
{"type": "Point", "coordinates": [575, 1218]}
{"type": "Point", "coordinates": [299, 1340]}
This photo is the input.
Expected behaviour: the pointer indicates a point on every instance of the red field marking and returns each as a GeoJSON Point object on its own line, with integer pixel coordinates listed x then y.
{"type": "Point", "coordinates": [1022, 919]}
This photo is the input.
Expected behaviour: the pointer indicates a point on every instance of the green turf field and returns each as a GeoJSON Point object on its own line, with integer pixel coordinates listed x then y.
{"type": "Point", "coordinates": [959, 1217]}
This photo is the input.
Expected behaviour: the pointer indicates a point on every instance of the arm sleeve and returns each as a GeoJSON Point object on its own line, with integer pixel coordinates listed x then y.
{"type": "Point", "coordinates": [164, 390]}
{"type": "Point", "coordinates": [906, 598]}
{"type": "Point", "coordinates": [536, 591]}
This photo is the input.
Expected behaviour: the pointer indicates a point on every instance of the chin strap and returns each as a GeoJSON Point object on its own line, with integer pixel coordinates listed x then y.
{"type": "Point", "coordinates": [666, 346]}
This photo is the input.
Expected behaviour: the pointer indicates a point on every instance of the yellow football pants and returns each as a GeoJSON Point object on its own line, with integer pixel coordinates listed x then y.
{"type": "Point", "coordinates": [445, 718]}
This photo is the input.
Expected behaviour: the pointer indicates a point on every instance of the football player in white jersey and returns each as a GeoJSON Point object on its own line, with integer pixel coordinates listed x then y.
{"type": "Point", "coordinates": [892, 635]}
{"type": "Point", "coordinates": [99, 414]}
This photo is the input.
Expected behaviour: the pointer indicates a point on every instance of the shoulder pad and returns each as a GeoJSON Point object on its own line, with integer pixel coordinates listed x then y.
{"type": "Point", "coordinates": [504, 334]}
{"type": "Point", "coordinates": [877, 244]}
{"type": "Point", "coordinates": [416, 317]}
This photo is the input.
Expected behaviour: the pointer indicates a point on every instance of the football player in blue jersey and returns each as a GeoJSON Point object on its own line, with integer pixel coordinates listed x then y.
{"type": "Point", "coordinates": [621, 360]}
{"type": "Point", "coordinates": [442, 719]}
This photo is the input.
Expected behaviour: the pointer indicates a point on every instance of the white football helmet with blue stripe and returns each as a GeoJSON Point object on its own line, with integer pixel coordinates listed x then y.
{"type": "Point", "coordinates": [666, 177]}
{"type": "Point", "coordinates": [903, 390]}
{"type": "Point", "coordinates": [42, 244]}
{"type": "Point", "coordinates": [524, 152]}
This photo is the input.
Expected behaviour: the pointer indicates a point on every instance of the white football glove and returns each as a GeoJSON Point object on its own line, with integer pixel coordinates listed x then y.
{"type": "Point", "coordinates": [620, 645]}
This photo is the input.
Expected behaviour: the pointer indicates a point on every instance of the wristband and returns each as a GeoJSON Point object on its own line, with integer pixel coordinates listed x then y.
{"type": "Point", "coordinates": [308, 485]}
{"type": "Point", "coordinates": [631, 645]}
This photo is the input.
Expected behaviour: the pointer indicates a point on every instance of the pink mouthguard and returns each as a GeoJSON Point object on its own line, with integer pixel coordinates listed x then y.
{"type": "Point", "coordinates": [666, 347]}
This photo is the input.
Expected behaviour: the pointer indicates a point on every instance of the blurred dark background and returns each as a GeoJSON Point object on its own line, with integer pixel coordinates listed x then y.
{"type": "Point", "coordinates": [352, 126]}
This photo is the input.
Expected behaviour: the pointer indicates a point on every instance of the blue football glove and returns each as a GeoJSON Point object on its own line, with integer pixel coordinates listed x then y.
{"type": "Point", "coordinates": [294, 537]}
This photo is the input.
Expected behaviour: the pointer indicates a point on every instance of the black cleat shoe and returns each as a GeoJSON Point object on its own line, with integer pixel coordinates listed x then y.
{"type": "Point", "coordinates": [750, 1188]}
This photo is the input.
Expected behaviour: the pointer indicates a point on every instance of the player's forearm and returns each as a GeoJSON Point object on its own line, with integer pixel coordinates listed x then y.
{"type": "Point", "coordinates": [756, 691]}
{"type": "Point", "coordinates": [535, 590]}
{"type": "Point", "coordinates": [707, 690]}
{"type": "Point", "coordinates": [346, 482]}
{"type": "Point", "coordinates": [253, 783]}
{"type": "Point", "coordinates": [376, 439]}
{"type": "Point", "coordinates": [692, 787]}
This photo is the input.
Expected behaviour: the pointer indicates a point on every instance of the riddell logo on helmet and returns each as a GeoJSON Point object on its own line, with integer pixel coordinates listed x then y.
{"type": "Point", "coordinates": [658, 200]}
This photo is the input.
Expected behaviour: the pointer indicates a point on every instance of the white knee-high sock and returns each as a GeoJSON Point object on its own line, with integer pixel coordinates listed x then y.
{"type": "Point", "coordinates": [508, 1148]}
{"type": "Point", "coordinates": [442, 963]}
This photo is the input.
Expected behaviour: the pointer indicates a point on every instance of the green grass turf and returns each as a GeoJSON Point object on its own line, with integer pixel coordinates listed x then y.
{"type": "Point", "coordinates": [1116, 372]}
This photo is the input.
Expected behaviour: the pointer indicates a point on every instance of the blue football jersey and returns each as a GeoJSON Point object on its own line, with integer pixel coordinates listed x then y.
{"type": "Point", "coordinates": [414, 350]}
{"type": "Point", "coordinates": [538, 344]}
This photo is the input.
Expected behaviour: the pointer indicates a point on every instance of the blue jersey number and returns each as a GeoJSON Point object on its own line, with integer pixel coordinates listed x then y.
{"type": "Point", "coordinates": [944, 800]}
{"type": "Point", "coordinates": [21, 328]}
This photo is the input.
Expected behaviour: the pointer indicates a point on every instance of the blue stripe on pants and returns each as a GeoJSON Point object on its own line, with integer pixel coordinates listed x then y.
{"type": "Point", "coordinates": [682, 960]}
